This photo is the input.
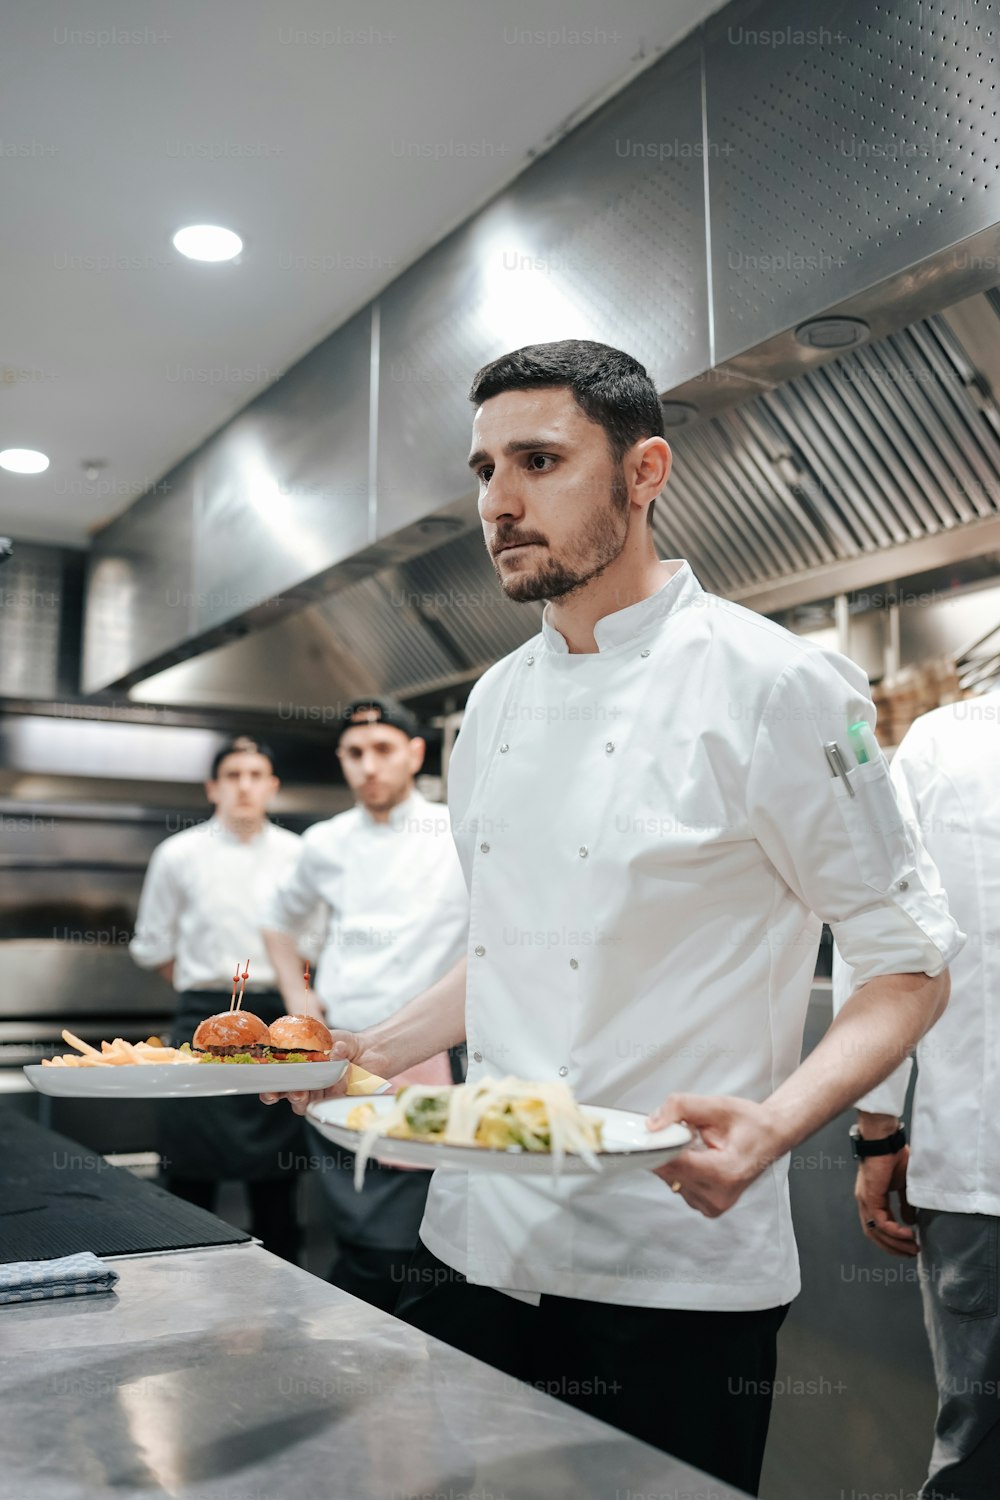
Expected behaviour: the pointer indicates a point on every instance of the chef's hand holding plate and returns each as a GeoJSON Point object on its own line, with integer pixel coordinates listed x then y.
{"type": "Point", "coordinates": [738, 1141]}
{"type": "Point", "coordinates": [348, 1046]}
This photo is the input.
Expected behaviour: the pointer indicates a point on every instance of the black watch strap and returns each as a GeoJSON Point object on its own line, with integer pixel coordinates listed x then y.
{"type": "Point", "coordinates": [887, 1146]}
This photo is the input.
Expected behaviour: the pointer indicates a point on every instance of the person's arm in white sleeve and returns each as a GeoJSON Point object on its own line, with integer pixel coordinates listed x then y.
{"type": "Point", "coordinates": [290, 907]}
{"type": "Point", "coordinates": [434, 1020]}
{"type": "Point", "coordinates": [880, 1178]}
{"type": "Point", "coordinates": [154, 942]}
{"type": "Point", "coordinates": [851, 861]}
{"type": "Point", "coordinates": [885, 1102]}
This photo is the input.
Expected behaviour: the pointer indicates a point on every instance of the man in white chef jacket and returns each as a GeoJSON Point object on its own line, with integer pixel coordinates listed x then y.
{"type": "Point", "coordinates": [389, 875]}
{"type": "Point", "coordinates": [645, 926]}
{"type": "Point", "coordinates": [198, 918]}
{"type": "Point", "coordinates": [946, 776]}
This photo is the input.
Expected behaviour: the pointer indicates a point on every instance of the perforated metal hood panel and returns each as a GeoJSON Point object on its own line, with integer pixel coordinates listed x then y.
{"type": "Point", "coordinates": [844, 136]}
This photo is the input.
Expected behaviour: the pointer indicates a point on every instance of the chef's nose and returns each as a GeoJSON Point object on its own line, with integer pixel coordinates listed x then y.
{"type": "Point", "coordinates": [501, 500]}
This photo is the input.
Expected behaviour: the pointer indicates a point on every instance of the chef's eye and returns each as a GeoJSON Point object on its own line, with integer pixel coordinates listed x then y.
{"type": "Point", "coordinates": [485, 474]}
{"type": "Point", "coordinates": [540, 462]}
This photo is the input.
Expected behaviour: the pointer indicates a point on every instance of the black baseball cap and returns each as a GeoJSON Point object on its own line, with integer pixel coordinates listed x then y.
{"type": "Point", "coordinates": [378, 710]}
{"type": "Point", "coordinates": [240, 744]}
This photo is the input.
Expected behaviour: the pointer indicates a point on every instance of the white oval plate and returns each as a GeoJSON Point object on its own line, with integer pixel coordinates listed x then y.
{"type": "Point", "coordinates": [182, 1080]}
{"type": "Point", "coordinates": [628, 1145]}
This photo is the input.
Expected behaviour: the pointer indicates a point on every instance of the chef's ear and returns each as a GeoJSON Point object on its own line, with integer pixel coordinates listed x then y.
{"type": "Point", "coordinates": [212, 792]}
{"type": "Point", "coordinates": [417, 751]}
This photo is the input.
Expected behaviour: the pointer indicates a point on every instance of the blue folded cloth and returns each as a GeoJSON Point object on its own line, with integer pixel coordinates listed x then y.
{"type": "Point", "coordinates": [69, 1276]}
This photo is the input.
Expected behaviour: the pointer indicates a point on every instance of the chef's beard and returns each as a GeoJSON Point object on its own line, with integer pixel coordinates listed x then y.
{"type": "Point", "coordinates": [602, 541]}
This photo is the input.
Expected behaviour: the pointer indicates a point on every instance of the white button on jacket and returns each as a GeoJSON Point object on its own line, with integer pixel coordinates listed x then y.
{"type": "Point", "coordinates": [947, 775]}
{"type": "Point", "coordinates": [679, 954]}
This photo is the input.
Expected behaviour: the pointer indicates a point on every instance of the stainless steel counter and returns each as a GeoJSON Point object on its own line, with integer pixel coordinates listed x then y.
{"type": "Point", "coordinates": [228, 1374]}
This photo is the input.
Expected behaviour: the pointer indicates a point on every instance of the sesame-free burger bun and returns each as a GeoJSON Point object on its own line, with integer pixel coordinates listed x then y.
{"type": "Point", "coordinates": [299, 1034]}
{"type": "Point", "coordinates": [235, 1029]}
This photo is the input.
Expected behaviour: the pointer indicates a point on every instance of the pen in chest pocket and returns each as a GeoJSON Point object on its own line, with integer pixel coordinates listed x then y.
{"type": "Point", "coordinates": [837, 764]}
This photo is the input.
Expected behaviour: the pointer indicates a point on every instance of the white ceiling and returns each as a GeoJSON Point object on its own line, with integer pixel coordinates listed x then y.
{"type": "Point", "coordinates": [125, 119]}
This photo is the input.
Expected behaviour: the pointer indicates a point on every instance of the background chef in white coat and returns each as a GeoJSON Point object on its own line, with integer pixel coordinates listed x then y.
{"type": "Point", "coordinates": [947, 776]}
{"type": "Point", "coordinates": [199, 915]}
{"type": "Point", "coordinates": [388, 872]}
{"type": "Point", "coordinates": [663, 814]}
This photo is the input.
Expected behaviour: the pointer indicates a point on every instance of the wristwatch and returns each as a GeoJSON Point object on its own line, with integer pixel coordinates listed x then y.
{"type": "Point", "coordinates": [861, 1147]}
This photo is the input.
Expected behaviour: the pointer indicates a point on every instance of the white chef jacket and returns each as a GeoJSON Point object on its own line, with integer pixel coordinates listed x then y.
{"type": "Point", "coordinates": [399, 911]}
{"type": "Point", "coordinates": [651, 835]}
{"type": "Point", "coordinates": [202, 900]}
{"type": "Point", "coordinates": [947, 775]}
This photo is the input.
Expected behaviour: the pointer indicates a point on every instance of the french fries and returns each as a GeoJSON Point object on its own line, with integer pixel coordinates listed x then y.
{"type": "Point", "coordinates": [116, 1054]}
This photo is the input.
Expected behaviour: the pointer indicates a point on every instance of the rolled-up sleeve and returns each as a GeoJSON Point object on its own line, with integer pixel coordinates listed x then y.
{"type": "Point", "coordinates": [851, 859]}
{"type": "Point", "coordinates": [889, 1097]}
{"type": "Point", "coordinates": [154, 941]}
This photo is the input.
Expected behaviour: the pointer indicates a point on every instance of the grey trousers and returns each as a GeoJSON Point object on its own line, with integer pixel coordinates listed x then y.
{"type": "Point", "coordinates": [960, 1284]}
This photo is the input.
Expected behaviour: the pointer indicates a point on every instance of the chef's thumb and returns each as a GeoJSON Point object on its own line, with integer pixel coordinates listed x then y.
{"type": "Point", "coordinates": [686, 1109]}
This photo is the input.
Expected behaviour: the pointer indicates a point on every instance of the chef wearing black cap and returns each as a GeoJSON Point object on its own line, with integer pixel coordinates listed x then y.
{"type": "Point", "coordinates": [389, 873]}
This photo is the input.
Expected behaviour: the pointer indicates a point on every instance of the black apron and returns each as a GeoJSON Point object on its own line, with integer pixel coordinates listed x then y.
{"type": "Point", "coordinates": [386, 1214]}
{"type": "Point", "coordinates": [234, 1137]}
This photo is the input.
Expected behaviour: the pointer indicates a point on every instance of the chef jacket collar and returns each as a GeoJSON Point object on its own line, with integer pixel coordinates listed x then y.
{"type": "Point", "coordinates": [635, 620]}
{"type": "Point", "coordinates": [399, 815]}
{"type": "Point", "coordinates": [225, 835]}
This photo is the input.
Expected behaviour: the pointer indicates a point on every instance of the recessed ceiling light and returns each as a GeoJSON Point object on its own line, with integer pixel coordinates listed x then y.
{"type": "Point", "coordinates": [832, 333]}
{"type": "Point", "coordinates": [207, 242]}
{"type": "Point", "coordinates": [23, 461]}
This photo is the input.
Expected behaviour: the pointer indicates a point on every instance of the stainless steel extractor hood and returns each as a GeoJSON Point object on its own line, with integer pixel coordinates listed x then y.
{"type": "Point", "coordinates": [760, 178]}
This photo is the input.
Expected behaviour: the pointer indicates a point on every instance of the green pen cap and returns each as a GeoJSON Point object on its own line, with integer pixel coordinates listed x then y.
{"type": "Point", "coordinates": [863, 742]}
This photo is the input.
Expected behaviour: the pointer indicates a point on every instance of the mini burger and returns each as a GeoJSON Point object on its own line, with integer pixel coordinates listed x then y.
{"type": "Point", "coordinates": [299, 1039]}
{"type": "Point", "coordinates": [232, 1036]}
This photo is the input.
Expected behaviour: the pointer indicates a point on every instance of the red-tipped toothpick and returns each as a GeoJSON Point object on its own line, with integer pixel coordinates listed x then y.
{"type": "Point", "coordinates": [236, 980]}
{"type": "Point", "coordinates": [306, 976]}
{"type": "Point", "coordinates": [243, 984]}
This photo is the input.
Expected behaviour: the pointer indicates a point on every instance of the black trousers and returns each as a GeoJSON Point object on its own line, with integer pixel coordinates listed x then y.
{"type": "Point", "coordinates": [372, 1273]}
{"type": "Point", "coordinates": [273, 1218]}
{"type": "Point", "coordinates": [696, 1384]}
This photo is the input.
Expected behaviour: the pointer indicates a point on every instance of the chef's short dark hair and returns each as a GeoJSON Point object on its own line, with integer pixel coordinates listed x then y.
{"type": "Point", "coordinates": [608, 385]}
{"type": "Point", "coordinates": [240, 744]}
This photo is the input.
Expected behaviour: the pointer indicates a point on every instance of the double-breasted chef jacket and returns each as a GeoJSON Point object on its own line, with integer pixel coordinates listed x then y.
{"type": "Point", "coordinates": [651, 837]}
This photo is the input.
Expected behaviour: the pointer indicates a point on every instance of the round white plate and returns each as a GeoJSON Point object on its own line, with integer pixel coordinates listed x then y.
{"type": "Point", "coordinates": [628, 1145]}
{"type": "Point", "coordinates": [182, 1080]}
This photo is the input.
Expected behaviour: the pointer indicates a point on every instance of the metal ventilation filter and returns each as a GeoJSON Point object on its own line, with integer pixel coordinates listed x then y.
{"type": "Point", "coordinates": [891, 443]}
